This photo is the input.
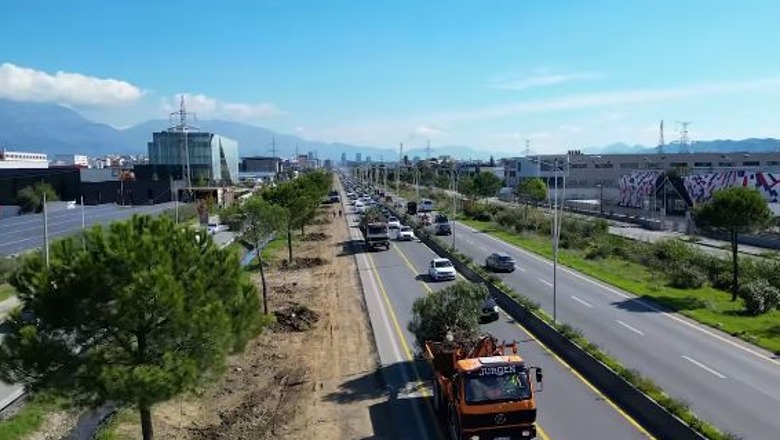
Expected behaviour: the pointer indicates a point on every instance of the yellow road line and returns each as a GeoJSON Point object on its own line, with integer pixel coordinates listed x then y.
{"type": "Point", "coordinates": [405, 345]}
{"type": "Point", "coordinates": [628, 418]}
{"type": "Point", "coordinates": [411, 267]}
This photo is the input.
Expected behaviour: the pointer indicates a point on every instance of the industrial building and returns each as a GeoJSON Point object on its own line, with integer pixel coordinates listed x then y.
{"type": "Point", "coordinates": [636, 180]}
{"type": "Point", "coordinates": [22, 160]}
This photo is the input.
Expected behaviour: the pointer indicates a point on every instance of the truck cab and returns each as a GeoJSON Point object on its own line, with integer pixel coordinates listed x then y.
{"type": "Point", "coordinates": [441, 225]}
{"type": "Point", "coordinates": [485, 396]}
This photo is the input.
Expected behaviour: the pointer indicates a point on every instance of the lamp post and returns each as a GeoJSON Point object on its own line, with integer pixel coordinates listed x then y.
{"type": "Point", "coordinates": [601, 198]}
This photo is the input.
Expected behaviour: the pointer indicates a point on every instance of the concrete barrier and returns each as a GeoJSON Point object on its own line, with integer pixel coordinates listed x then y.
{"type": "Point", "coordinates": [647, 412]}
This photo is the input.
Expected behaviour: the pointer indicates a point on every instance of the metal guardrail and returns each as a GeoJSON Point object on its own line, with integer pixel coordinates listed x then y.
{"type": "Point", "coordinates": [647, 412]}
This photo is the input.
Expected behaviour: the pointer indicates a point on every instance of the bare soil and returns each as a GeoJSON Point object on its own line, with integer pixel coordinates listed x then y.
{"type": "Point", "coordinates": [281, 387]}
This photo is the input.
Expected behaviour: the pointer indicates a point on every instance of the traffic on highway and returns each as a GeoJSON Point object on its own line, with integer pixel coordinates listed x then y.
{"type": "Point", "coordinates": [568, 406]}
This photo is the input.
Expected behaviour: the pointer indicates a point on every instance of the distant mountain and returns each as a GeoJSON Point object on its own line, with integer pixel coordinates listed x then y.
{"type": "Point", "coordinates": [53, 129]}
{"type": "Point", "coordinates": [714, 146]}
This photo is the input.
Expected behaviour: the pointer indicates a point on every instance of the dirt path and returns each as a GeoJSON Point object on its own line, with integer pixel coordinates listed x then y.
{"type": "Point", "coordinates": [285, 384]}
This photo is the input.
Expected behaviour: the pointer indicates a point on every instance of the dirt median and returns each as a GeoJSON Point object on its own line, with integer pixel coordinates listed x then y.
{"type": "Point", "coordinates": [280, 387]}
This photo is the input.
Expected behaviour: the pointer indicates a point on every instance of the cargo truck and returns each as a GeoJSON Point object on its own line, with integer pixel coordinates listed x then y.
{"type": "Point", "coordinates": [484, 392]}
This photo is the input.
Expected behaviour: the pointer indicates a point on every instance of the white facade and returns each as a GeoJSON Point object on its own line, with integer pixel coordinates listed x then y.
{"type": "Point", "coordinates": [79, 160]}
{"type": "Point", "coordinates": [22, 160]}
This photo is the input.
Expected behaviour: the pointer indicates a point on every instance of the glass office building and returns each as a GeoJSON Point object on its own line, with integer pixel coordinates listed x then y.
{"type": "Point", "coordinates": [213, 158]}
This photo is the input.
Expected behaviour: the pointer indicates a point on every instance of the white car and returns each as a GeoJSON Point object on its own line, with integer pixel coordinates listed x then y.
{"type": "Point", "coordinates": [406, 233]}
{"type": "Point", "coordinates": [360, 208]}
{"type": "Point", "coordinates": [441, 269]}
{"type": "Point", "coordinates": [393, 223]}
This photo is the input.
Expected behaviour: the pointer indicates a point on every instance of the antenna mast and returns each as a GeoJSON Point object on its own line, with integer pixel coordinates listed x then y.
{"type": "Point", "coordinates": [527, 147]}
{"type": "Point", "coordinates": [273, 145]}
{"type": "Point", "coordinates": [428, 148]}
{"type": "Point", "coordinates": [685, 141]}
{"type": "Point", "coordinates": [661, 143]}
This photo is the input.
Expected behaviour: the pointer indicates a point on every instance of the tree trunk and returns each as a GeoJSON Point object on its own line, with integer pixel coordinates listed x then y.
{"type": "Point", "coordinates": [735, 261]}
{"type": "Point", "coordinates": [289, 242]}
{"type": "Point", "coordinates": [262, 279]}
{"type": "Point", "coordinates": [146, 424]}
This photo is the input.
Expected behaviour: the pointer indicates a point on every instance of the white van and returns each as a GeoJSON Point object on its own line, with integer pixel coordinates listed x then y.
{"type": "Point", "coordinates": [426, 205]}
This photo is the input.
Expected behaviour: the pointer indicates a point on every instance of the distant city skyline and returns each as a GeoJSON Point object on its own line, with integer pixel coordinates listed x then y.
{"type": "Point", "coordinates": [379, 73]}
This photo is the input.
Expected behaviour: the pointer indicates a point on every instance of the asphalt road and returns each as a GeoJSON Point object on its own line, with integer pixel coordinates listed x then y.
{"type": "Point", "coordinates": [727, 382]}
{"type": "Point", "coordinates": [25, 232]}
{"type": "Point", "coordinates": [568, 406]}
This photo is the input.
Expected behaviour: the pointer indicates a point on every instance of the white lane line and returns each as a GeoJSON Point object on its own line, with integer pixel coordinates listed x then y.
{"type": "Point", "coordinates": [637, 300]}
{"type": "Point", "coordinates": [519, 269]}
{"type": "Point", "coordinates": [703, 367]}
{"type": "Point", "coordinates": [584, 303]}
{"type": "Point", "coordinates": [629, 327]}
{"type": "Point", "coordinates": [543, 281]}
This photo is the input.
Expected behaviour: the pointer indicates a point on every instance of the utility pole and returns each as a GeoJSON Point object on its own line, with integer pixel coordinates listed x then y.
{"type": "Point", "coordinates": [454, 187]}
{"type": "Point", "coordinates": [45, 232]}
{"type": "Point", "coordinates": [273, 146]}
{"type": "Point", "coordinates": [398, 172]}
{"type": "Point", "coordinates": [83, 224]}
{"type": "Point", "coordinates": [428, 148]}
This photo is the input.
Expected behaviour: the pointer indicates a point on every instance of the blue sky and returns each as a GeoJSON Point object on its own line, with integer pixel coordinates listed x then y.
{"type": "Point", "coordinates": [564, 74]}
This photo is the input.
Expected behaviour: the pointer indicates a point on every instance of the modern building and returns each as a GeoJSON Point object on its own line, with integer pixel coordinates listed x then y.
{"type": "Point", "coordinates": [257, 168]}
{"type": "Point", "coordinates": [359, 157]}
{"type": "Point", "coordinates": [22, 160]}
{"type": "Point", "coordinates": [343, 159]}
{"type": "Point", "coordinates": [210, 157]}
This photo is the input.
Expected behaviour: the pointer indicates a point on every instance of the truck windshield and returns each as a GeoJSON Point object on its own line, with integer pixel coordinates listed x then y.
{"type": "Point", "coordinates": [377, 229]}
{"type": "Point", "coordinates": [491, 388]}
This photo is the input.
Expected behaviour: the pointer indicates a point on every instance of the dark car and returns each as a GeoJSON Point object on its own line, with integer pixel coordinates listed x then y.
{"type": "Point", "coordinates": [500, 262]}
{"type": "Point", "coordinates": [489, 311]}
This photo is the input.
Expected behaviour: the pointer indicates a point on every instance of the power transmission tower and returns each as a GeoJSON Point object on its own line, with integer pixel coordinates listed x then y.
{"type": "Point", "coordinates": [527, 147]}
{"type": "Point", "coordinates": [685, 141]}
{"type": "Point", "coordinates": [661, 143]}
{"type": "Point", "coordinates": [273, 145]}
{"type": "Point", "coordinates": [182, 126]}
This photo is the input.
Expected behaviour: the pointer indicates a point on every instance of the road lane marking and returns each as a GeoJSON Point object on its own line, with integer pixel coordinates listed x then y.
{"type": "Point", "coordinates": [414, 271]}
{"type": "Point", "coordinates": [584, 303]}
{"type": "Point", "coordinates": [400, 334]}
{"type": "Point", "coordinates": [649, 306]}
{"type": "Point", "coordinates": [543, 281]}
{"type": "Point", "coordinates": [703, 367]}
{"type": "Point", "coordinates": [629, 327]}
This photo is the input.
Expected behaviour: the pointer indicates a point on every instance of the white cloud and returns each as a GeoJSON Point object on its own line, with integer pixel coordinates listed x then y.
{"type": "Point", "coordinates": [591, 100]}
{"type": "Point", "coordinates": [530, 82]}
{"type": "Point", "coordinates": [426, 132]}
{"type": "Point", "coordinates": [30, 85]}
{"type": "Point", "coordinates": [208, 107]}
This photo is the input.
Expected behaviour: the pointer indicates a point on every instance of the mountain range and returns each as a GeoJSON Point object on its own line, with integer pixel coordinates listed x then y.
{"type": "Point", "coordinates": [53, 129]}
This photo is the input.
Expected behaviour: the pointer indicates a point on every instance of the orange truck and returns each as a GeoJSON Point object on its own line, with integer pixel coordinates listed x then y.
{"type": "Point", "coordinates": [484, 392]}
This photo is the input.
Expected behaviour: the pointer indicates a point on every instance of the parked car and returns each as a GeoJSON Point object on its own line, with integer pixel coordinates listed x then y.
{"type": "Point", "coordinates": [441, 269]}
{"type": "Point", "coordinates": [406, 233]}
{"type": "Point", "coordinates": [500, 262]}
{"type": "Point", "coordinates": [489, 311]}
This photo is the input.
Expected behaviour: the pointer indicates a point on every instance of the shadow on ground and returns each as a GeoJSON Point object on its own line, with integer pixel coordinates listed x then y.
{"type": "Point", "coordinates": [404, 410]}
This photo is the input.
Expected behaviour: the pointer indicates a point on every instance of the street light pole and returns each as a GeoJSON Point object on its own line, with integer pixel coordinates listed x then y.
{"type": "Point", "coordinates": [556, 229]}
{"type": "Point", "coordinates": [45, 232]}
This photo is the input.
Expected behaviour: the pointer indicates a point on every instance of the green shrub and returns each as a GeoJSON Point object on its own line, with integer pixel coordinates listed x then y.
{"type": "Point", "coordinates": [685, 276]}
{"type": "Point", "coordinates": [760, 297]}
{"type": "Point", "coordinates": [7, 266]}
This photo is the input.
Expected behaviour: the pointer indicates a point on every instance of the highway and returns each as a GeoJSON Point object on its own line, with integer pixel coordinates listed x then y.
{"type": "Point", "coordinates": [727, 382]}
{"type": "Point", "coordinates": [568, 406]}
{"type": "Point", "coordinates": [25, 232]}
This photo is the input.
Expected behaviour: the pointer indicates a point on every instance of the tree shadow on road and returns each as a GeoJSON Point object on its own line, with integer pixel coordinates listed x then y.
{"type": "Point", "coordinates": [660, 304]}
{"type": "Point", "coordinates": [401, 394]}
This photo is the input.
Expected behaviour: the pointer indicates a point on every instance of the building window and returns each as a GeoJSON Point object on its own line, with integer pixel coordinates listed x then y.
{"type": "Point", "coordinates": [603, 165]}
{"type": "Point", "coordinates": [678, 165]}
{"type": "Point", "coordinates": [512, 174]}
{"type": "Point", "coordinates": [725, 164]}
{"type": "Point", "coordinates": [579, 166]}
{"type": "Point", "coordinates": [519, 166]}
{"type": "Point", "coordinates": [750, 163]}
{"type": "Point", "coordinates": [772, 163]}
{"type": "Point", "coordinates": [653, 165]}
{"type": "Point", "coordinates": [629, 166]}
{"type": "Point", "coordinates": [702, 164]}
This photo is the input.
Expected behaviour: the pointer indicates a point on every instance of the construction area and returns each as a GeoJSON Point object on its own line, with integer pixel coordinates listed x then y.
{"type": "Point", "coordinates": [280, 386]}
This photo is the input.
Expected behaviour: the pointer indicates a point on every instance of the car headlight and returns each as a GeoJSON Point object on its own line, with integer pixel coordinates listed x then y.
{"type": "Point", "coordinates": [495, 309]}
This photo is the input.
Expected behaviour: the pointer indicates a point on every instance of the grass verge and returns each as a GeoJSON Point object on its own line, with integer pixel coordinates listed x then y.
{"type": "Point", "coordinates": [30, 418]}
{"type": "Point", "coordinates": [6, 291]}
{"type": "Point", "coordinates": [706, 305]}
{"type": "Point", "coordinates": [109, 430]}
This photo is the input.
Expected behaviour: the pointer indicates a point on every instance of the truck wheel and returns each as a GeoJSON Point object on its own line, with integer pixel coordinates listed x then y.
{"type": "Point", "coordinates": [454, 424]}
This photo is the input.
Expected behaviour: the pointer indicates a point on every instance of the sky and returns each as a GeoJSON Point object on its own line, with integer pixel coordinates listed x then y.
{"type": "Point", "coordinates": [562, 74]}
